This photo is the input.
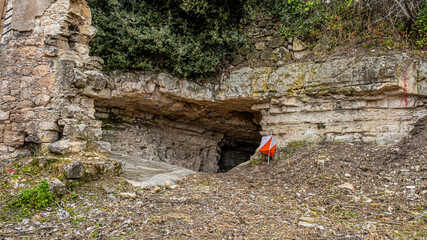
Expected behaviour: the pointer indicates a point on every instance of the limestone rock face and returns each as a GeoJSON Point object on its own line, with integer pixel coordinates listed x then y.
{"type": "Point", "coordinates": [55, 95]}
{"type": "Point", "coordinates": [74, 170]}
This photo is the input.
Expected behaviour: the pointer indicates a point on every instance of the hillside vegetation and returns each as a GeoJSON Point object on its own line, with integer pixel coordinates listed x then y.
{"type": "Point", "coordinates": [194, 38]}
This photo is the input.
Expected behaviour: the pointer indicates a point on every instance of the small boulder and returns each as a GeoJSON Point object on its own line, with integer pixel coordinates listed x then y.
{"type": "Point", "coordinates": [67, 146]}
{"type": "Point", "coordinates": [74, 170]}
{"type": "Point", "coordinates": [127, 195]}
{"type": "Point", "coordinates": [348, 186]}
{"type": "Point", "coordinates": [155, 190]}
{"type": "Point", "coordinates": [298, 45]}
{"type": "Point", "coordinates": [57, 187]}
{"type": "Point", "coordinates": [306, 224]}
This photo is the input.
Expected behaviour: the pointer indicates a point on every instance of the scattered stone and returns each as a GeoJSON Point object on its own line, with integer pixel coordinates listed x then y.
{"type": "Point", "coordinates": [167, 184]}
{"type": "Point", "coordinates": [155, 190]}
{"type": "Point", "coordinates": [347, 186]}
{"type": "Point", "coordinates": [127, 195]}
{"type": "Point", "coordinates": [74, 170]}
{"type": "Point", "coordinates": [307, 219]}
{"type": "Point", "coordinates": [174, 186]}
{"type": "Point", "coordinates": [306, 224]}
{"type": "Point", "coordinates": [320, 227]}
{"type": "Point", "coordinates": [57, 187]}
{"type": "Point", "coordinates": [109, 189]}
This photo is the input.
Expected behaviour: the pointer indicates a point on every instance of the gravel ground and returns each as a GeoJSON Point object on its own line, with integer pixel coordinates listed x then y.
{"type": "Point", "coordinates": [323, 191]}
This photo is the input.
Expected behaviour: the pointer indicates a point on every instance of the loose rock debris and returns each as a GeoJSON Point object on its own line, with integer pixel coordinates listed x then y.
{"type": "Point", "coordinates": [360, 192]}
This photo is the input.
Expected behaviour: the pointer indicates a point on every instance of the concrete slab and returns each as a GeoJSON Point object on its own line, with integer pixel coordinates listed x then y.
{"type": "Point", "coordinates": [141, 172]}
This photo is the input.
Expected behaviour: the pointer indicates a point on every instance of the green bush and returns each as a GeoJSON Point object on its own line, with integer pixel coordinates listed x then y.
{"type": "Point", "coordinates": [35, 198]}
{"type": "Point", "coordinates": [191, 38]}
{"type": "Point", "coordinates": [419, 29]}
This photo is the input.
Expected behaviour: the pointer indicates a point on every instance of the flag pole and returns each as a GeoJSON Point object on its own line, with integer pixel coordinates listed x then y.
{"type": "Point", "coordinates": [268, 159]}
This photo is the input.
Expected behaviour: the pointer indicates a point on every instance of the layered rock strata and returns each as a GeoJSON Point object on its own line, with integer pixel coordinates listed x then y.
{"type": "Point", "coordinates": [54, 94]}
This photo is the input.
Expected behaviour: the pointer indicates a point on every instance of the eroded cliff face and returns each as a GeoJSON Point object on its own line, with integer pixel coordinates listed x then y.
{"type": "Point", "coordinates": [71, 105]}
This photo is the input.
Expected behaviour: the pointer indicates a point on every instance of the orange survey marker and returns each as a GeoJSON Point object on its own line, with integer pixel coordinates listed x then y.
{"type": "Point", "coordinates": [268, 146]}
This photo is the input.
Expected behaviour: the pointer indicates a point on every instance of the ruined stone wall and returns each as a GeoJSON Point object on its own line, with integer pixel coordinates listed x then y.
{"type": "Point", "coordinates": [41, 59]}
{"type": "Point", "coordinates": [266, 41]}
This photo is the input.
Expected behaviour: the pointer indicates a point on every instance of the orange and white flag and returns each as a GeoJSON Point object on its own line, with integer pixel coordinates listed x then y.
{"type": "Point", "coordinates": [268, 145]}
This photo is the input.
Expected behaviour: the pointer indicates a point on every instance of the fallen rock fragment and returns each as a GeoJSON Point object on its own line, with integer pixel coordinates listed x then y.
{"type": "Point", "coordinates": [155, 190]}
{"type": "Point", "coordinates": [167, 184]}
{"type": "Point", "coordinates": [57, 187]}
{"type": "Point", "coordinates": [74, 170]}
{"type": "Point", "coordinates": [306, 224]}
{"type": "Point", "coordinates": [347, 185]}
{"type": "Point", "coordinates": [127, 195]}
{"type": "Point", "coordinates": [307, 219]}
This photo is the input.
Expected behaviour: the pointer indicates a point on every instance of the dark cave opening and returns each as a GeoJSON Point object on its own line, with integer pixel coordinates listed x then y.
{"type": "Point", "coordinates": [201, 138]}
{"type": "Point", "coordinates": [235, 153]}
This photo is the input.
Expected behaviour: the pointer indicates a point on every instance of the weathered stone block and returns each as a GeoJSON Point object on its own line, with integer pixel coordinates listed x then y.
{"type": "Point", "coordinates": [260, 45]}
{"type": "Point", "coordinates": [298, 45]}
{"type": "Point", "coordinates": [67, 146]}
{"type": "Point", "coordinates": [57, 187]}
{"type": "Point", "coordinates": [276, 42]}
{"type": "Point", "coordinates": [49, 136]}
{"type": "Point", "coordinates": [74, 170]}
{"type": "Point", "coordinates": [13, 139]}
{"type": "Point", "coordinates": [267, 55]}
{"type": "Point", "coordinates": [253, 55]}
{"type": "Point", "coordinates": [237, 59]}
{"type": "Point", "coordinates": [4, 115]}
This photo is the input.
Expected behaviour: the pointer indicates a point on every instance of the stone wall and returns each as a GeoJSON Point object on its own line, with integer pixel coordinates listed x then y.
{"type": "Point", "coordinates": [266, 41]}
{"type": "Point", "coordinates": [42, 59]}
{"type": "Point", "coordinates": [54, 96]}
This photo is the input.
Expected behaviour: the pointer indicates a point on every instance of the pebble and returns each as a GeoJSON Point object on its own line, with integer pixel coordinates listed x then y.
{"type": "Point", "coordinates": [347, 186]}
{"type": "Point", "coordinates": [155, 190]}
{"type": "Point", "coordinates": [306, 224]}
{"type": "Point", "coordinates": [307, 219]}
{"type": "Point", "coordinates": [320, 227]}
{"type": "Point", "coordinates": [127, 195]}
